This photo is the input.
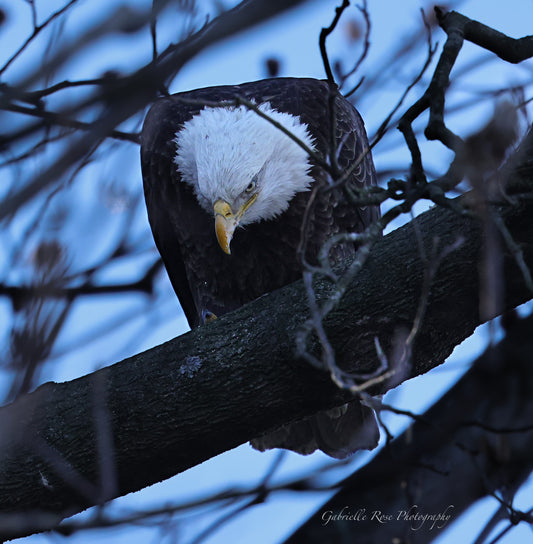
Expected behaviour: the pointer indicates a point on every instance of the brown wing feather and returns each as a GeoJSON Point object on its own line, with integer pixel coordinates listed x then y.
{"type": "Point", "coordinates": [160, 195]}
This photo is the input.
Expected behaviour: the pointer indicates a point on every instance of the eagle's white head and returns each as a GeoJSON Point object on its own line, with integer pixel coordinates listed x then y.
{"type": "Point", "coordinates": [243, 168]}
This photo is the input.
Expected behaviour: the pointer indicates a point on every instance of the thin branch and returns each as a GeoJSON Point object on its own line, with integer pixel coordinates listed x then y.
{"type": "Point", "coordinates": [36, 31]}
{"type": "Point", "coordinates": [33, 97]}
{"type": "Point", "coordinates": [431, 49]}
{"type": "Point", "coordinates": [324, 33]}
{"type": "Point", "coordinates": [516, 250]}
{"type": "Point", "coordinates": [366, 48]}
{"type": "Point", "coordinates": [143, 285]}
{"type": "Point", "coordinates": [153, 31]}
{"type": "Point", "coordinates": [33, 8]}
{"type": "Point", "coordinates": [50, 117]}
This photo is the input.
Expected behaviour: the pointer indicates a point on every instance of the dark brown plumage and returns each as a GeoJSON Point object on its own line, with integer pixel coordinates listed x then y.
{"type": "Point", "coordinates": [263, 254]}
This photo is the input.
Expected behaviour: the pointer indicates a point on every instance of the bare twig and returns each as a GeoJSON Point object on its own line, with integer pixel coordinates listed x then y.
{"type": "Point", "coordinates": [366, 47]}
{"type": "Point", "coordinates": [324, 33]}
{"type": "Point", "coordinates": [36, 31]}
{"type": "Point", "coordinates": [431, 49]}
{"type": "Point", "coordinates": [50, 117]}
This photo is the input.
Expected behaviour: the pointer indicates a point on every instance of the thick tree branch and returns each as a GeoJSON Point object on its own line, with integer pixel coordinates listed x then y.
{"type": "Point", "coordinates": [212, 389]}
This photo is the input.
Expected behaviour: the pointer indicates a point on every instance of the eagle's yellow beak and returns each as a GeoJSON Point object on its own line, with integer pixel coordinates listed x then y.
{"type": "Point", "coordinates": [226, 221]}
{"type": "Point", "coordinates": [225, 224]}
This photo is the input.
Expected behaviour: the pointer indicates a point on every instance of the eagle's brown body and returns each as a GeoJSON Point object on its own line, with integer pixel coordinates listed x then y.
{"type": "Point", "coordinates": [263, 254]}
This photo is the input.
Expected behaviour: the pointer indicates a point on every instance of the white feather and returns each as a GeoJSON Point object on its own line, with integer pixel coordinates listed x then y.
{"type": "Point", "coordinates": [221, 150]}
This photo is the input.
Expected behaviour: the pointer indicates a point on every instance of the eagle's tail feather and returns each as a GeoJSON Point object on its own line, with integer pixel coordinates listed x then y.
{"type": "Point", "coordinates": [337, 432]}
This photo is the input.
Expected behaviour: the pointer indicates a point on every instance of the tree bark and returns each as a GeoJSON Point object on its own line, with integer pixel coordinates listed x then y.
{"type": "Point", "coordinates": [71, 445]}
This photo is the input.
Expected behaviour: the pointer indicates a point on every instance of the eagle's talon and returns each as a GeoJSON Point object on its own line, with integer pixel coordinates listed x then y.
{"type": "Point", "coordinates": [209, 316]}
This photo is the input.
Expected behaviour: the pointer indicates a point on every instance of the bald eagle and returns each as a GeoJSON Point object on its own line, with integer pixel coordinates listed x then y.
{"type": "Point", "coordinates": [226, 190]}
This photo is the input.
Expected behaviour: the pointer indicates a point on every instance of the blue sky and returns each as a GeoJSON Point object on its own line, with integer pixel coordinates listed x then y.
{"type": "Point", "coordinates": [293, 39]}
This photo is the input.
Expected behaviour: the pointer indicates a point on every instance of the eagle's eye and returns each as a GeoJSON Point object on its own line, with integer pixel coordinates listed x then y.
{"type": "Point", "coordinates": [252, 185]}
